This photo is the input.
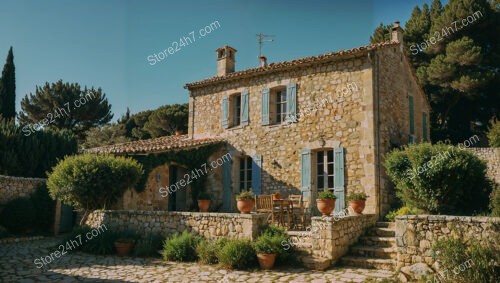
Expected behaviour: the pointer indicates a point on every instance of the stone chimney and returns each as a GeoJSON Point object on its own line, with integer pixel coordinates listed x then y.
{"type": "Point", "coordinates": [263, 61]}
{"type": "Point", "coordinates": [225, 60]}
{"type": "Point", "coordinates": [397, 33]}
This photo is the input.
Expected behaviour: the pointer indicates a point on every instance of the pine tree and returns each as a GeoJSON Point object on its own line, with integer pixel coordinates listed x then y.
{"type": "Point", "coordinates": [381, 34]}
{"type": "Point", "coordinates": [8, 88]}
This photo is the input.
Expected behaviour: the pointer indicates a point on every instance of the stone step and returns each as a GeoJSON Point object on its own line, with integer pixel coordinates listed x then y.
{"type": "Point", "coordinates": [374, 252]}
{"type": "Point", "coordinates": [383, 242]}
{"type": "Point", "coordinates": [383, 232]}
{"type": "Point", "coordinates": [389, 225]}
{"type": "Point", "coordinates": [373, 263]}
{"type": "Point", "coordinates": [315, 262]}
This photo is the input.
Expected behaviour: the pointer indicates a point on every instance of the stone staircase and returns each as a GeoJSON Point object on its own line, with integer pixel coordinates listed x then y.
{"type": "Point", "coordinates": [376, 249]}
{"type": "Point", "coordinates": [301, 241]}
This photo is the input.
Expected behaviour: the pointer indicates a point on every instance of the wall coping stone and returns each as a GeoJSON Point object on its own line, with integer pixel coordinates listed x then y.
{"type": "Point", "coordinates": [428, 217]}
{"type": "Point", "coordinates": [337, 219]}
{"type": "Point", "coordinates": [183, 213]}
{"type": "Point", "coordinates": [22, 178]}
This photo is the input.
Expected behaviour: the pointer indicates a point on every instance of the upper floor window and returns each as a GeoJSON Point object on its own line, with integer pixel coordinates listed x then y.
{"type": "Point", "coordinates": [235, 110]}
{"type": "Point", "coordinates": [279, 104]}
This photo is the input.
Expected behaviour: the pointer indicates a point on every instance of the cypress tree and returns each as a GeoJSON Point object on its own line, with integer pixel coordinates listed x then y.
{"type": "Point", "coordinates": [8, 88]}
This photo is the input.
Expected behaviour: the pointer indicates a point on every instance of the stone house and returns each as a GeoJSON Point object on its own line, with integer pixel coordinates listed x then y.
{"type": "Point", "coordinates": [298, 127]}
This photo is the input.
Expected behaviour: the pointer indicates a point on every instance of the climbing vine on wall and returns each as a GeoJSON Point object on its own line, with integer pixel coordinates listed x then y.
{"type": "Point", "coordinates": [192, 159]}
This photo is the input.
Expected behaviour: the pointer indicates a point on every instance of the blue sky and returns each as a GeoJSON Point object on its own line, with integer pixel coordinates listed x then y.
{"type": "Point", "coordinates": [105, 43]}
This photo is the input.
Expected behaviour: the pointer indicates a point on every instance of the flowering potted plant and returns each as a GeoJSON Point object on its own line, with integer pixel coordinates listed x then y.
{"type": "Point", "coordinates": [124, 246]}
{"type": "Point", "coordinates": [357, 201]}
{"type": "Point", "coordinates": [204, 201]}
{"type": "Point", "coordinates": [245, 202]}
{"type": "Point", "coordinates": [266, 250]}
{"type": "Point", "coordinates": [326, 202]}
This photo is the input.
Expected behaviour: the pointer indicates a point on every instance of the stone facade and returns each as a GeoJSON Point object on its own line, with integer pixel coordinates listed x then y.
{"type": "Point", "coordinates": [208, 225]}
{"type": "Point", "coordinates": [492, 157]}
{"type": "Point", "coordinates": [359, 103]}
{"type": "Point", "coordinates": [415, 234]}
{"type": "Point", "coordinates": [15, 187]}
{"type": "Point", "coordinates": [331, 236]}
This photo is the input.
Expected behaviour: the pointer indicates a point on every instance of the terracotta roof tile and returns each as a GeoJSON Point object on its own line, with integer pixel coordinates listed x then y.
{"type": "Point", "coordinates": [160, 144]}
{"type": "Point", "coordinates": [287, 64]}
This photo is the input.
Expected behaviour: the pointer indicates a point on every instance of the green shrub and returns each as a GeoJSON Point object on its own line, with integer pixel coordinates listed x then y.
{"type": "Point", "coordinates": [93, 181]}
{"type": "Point", "coordinates": [181, 247]}
{"type": "Point", "coordinates": [405, 210]}
{"type": "Point", "coordinates": [102, 244]}
{"type": "Point", "coordinates": [281, 241]}
{"type": "Point", "coordinates": [3, 232]}
{"type": "Point", "coordinates": [274, 230]}
{"type": "Point", "coordinates": [44, 206]}
{"type": "Point", "coordinates": [494, 133]}
{"type": "Point", "coordinates": [238, 254]}
{"type": "Point", "coordinates": [149, 245]}
{"type": "Point", "coordinates": [245, 195]}
{"type": "Point", "coordinates": [326, 195]}
{"type": "Point", "coordinates": [471, 263]}
{"type": "Point", "coordinates": [356, 196]}
{"type": "Point", "coordinates": [32, 155]}
{"type": "Point", "coordinates": [439, 179]}
{"type": "Point", "coordinates": [208, 250]}
{"type": "Point", "coordinates": [266, 244]}
{"type": "Point", "coordinates": [19, 216]}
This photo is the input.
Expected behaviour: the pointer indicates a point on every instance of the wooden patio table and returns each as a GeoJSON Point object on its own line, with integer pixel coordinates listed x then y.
{"type": "Point", "coordinates": [284, 206]}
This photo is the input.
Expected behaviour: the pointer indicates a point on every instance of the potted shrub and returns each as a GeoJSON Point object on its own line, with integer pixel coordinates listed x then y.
{"type": "Point", "coordinates": [204, 201]}
{"type": "Point", "coordinates": [326, 202]}
{"type": "Point", "coordinates": [245, 202]}
{"type": "Point", "coordinates": [266, 251]}
{"type": "Point", "coordinates": [357, 201]}
{"type": "Point", "coordinates": [124, 246]}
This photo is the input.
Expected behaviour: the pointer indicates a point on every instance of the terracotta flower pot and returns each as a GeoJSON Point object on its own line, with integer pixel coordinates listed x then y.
{"type": "Point", "coordinates": [203, 205]}
{"type": "Point", "coordinates": [277, 196]}
{"type": "Point", "coordinates": [266, 261]}
{"type": "Point", "coordinates": [245, 205]}
{"type": "Point", "coordinates": [325, 206]}
{"type": "Point", "coordinates": [123, 249]}
{"type": "Point", "coordinates": [357, 205]}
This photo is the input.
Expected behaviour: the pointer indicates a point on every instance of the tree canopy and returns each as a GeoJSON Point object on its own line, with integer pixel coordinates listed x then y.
{"type": "Point", "coordinates": [8, 88]}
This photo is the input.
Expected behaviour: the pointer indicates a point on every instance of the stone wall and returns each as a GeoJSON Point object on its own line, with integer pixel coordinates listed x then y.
{"type": "Point", "coordinates": [415, 234]}
{"type": "Point", "coordinates": [15, 187]}
{"type": "Point", "coordinates": [332, 236]}
{"type": "Point", "coordinates": [492, 156]}
{"type": "Point", "coordinates": [208, 225]}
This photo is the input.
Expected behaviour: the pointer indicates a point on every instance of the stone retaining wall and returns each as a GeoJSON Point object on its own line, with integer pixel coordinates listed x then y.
{"type": "Point", "coordinates": [415, 234]}
{"type": "Point", "coordinates": [208, 225]}
{"type": "Point", "coordinates": [492, 156]}
{"type": "Point", "coordinates": [332, 236]}
{"type": "Point", "coordinates": [14, 187]}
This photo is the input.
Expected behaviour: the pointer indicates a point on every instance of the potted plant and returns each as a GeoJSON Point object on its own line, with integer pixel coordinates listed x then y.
{"type": "Point", "coordinates": [204, 201]}
{"type": "Point", "coordinates": [326, 202]}
{"type": "Point", "coordinates": [245, 202]}
{"type": "Point", "coordinates": [266, 251]}
{"type": "Point", "coordinates": [357, 201]}
{"type": "Point", "coordinates": [124, 246]}
{"type": "Point", "coordinates": [277, 196]}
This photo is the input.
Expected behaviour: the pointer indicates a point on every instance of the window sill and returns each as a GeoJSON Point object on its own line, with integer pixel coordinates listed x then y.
{"type": "Point", "coordinates": [236, 127]}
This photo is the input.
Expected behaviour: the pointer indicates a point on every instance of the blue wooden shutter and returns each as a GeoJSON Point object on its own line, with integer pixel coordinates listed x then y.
{"type": "Point", "coordinates": [265, 106]}
{"type": "Point", "coordinates": [424, 126]}
{"type": "Point", "coordinates": [226, 184]}
{"type": "Point", "coordinates": [244, 107]}
{"type": "Point", "coordinates": [305, 161]}
{"type": "Point", "coordinates": [225, 112]}
{"type": "Point", "coordinates": [412, 116]}
{"type": "Point", "coordinates": [339, 187]}
{"type": "Point", "coordinates": [256, 174]}
{"type": "Point", "coordinates": [291, 102]}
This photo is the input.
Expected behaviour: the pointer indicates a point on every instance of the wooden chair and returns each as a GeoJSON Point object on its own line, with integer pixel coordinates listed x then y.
{"type": "Point", "coordinates": [264, 204]}
{"type": "Point", "coordinates": [298, 209]}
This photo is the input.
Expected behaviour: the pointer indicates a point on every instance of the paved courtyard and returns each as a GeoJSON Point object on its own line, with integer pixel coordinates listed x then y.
{"type": "Point", "coordinates": [17, 265]}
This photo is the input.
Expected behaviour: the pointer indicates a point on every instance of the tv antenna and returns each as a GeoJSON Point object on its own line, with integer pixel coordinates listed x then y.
{"type": "Point", "coordinates": [261, 38]}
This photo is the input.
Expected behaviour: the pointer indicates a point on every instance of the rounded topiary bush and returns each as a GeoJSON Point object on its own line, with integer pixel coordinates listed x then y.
{"type": "Point", "coordinates": [93, 181]}
{"type": "Point", "coordinates": [19, 215]}
{"type": "Point", "coordinates": [238, 254]}
{"type": "Point", "coordinates": [439, 179]}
